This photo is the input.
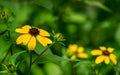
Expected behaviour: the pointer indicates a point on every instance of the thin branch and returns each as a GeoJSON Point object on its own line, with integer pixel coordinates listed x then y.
{"type": "Point", "coordinates": [41, 54]}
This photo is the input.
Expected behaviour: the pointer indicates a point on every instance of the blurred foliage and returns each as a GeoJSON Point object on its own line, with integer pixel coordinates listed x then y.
{"type": "Point", "coordinates": [88, 23]}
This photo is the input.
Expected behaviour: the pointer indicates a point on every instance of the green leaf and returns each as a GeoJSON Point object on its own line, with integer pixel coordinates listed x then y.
{"type": "Point", "coordinates": [3, 27]}
{"type": "Point", "coordinates": [6, 73]}
{"type": "Point", "coordinates": [39, 48]}
{"type": "Point", "coordinates": [4, 46]}
{"type": "Point", "coordinates": [97, 4]}
{"type": "Point", "coordinates": [14, 57]}
{"type": "Point", "coordinates": [51, 58]}
{"type": "Point", "coordinates": [47, 56]}
{"type": "Point", "coordinates": [44, 3]}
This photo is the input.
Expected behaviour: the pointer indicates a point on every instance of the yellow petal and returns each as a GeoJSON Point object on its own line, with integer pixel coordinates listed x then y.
{"type": "Point", "coordinates": [32, 43]}
{"type": "Point", "coordinates": [110, 49]}
{"type": "Point", "coordinates": [24, 29]}
{"type": "Point", "coordinates": [96, 52]}
{"type": "Point", "coordinates": [82, 55]}
{"type": "Point", "coordinates": [99, 59]}
{"type": "Point", "coordinates": [113, 58]}
{"type": "Point", "coordinates": [43, 40]}
{"type": "Point", "coordinates": [102, 48]}
{"type": "Point", "coordinates": [43, 33]}
{"type": "Point", "coordinates": [72, 48]}
{"type": "Point", "coordinates": [20, 39]}
{"type": "Point", "coordinates": [26, 39]}
{"type": "Point", "coordinates": [73, 57]}
{"type": "Point", "coordinates": [107, 60]}
{"type": "Point", "coordinates": [80, 50]}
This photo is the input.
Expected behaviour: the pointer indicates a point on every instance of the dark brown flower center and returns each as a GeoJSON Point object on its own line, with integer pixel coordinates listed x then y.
{"type": "Point", "coordinates": [106, 53]}
{"type": "Point", "coordinates": [34, 31]}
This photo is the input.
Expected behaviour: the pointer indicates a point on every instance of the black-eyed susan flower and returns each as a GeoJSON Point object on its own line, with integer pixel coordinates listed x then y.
{"type": "Point", "coordinates": [76, 52]}
{"type": "Point", "coordinates": [104, 54]}
{"type": "Point", "coordinates": [30, 34]}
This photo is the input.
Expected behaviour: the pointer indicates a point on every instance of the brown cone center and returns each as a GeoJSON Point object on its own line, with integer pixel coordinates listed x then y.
{"type": "Point", "coordinates": [106, 53]}
{"type": "Point", "coordinates": [34, 31]}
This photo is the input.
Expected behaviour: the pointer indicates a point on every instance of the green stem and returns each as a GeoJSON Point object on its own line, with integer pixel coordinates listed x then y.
{"type": "Point", "coordinates": [41, 54]}
{"type": "Point", "coordinates": [30, 63]}
{"type": "Point", "coordinates": [11, 52]}
{"type": "Point", "coordinates": [73, 68]}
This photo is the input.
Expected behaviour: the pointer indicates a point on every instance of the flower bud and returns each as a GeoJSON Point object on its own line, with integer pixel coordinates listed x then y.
{"type": "Point", "coordinates": [58, 37]}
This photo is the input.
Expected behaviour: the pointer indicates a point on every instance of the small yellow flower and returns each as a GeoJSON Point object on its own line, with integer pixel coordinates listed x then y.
{"type": "Point", "coordinates": [30, 34]}
{"type": "Point", "coordinates": [76, 52]}
{"type": "Point", "coordinates": [104, 54]}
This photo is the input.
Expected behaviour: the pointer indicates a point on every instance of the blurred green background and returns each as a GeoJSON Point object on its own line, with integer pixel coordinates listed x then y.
{"type": "Point", "coordinates": [88, 23]}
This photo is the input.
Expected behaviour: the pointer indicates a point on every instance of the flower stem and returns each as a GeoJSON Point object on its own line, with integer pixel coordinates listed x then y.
{"type": "Point", "coordinates": [41, 53]}
{"type": "Point", "coordinates": [11, 49]}
{"type": "Point", "coordinates": [30, 63]}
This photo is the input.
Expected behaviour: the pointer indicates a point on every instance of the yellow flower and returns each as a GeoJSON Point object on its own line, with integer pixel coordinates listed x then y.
{"type": "Point", "coordinates": [30, 34]}
{"type": "Point", "coordinates": [104, 54]}
{"type": "Point", "coordinates": [76, 52]}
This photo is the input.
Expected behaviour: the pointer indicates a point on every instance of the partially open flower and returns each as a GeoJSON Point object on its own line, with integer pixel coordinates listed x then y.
{"type": "Point", "coordinates": [30, 34]}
